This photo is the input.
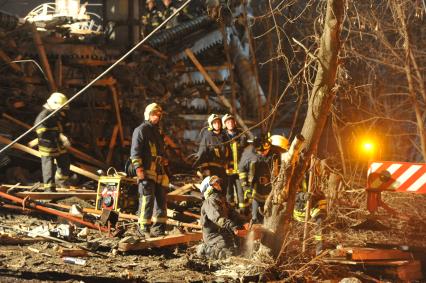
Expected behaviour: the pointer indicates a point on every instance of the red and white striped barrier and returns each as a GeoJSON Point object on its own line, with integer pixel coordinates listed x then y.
{"type": "Point", "coordinates": [397, 176]}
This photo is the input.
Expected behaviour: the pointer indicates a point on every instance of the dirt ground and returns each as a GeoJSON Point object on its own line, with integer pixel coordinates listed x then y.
{"type": "Point", "coordinates": [41, 262]}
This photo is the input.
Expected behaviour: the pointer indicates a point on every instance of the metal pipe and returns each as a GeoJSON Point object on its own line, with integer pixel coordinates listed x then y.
{"type": "Point", "coordinates": [67, 216]}
{"type": "Point", "coordinates": [135, 217]}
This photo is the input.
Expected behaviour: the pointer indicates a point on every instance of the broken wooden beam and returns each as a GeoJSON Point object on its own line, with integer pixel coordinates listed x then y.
{"type": "Point", "coordinates": [114, 93]}
{"type": "Point", "coordinates": [43, 58]}
{"type": "Point", "coordinates": [180, 198]}
{"type": "Point", "coordinates": [112, 144]}
{"type": "Point", "coordinates": [19, 240]}
{"type": "Point", "coordinates": [182, 190]}
{"type": "Point", "coordinates": [215, 88]}
{"type": "Point", "coordinates": [34, 152]}
{"type": "Point", "coordinates": [376, 254]}
{"type": "Point", "coordinates": [132, 216]}
{"type": "Point", "coordinates": [158, 242]}
{"type": "Point", "coordinates": [73, 252]}
{"type": "Point", "coordinates": [37, 206]}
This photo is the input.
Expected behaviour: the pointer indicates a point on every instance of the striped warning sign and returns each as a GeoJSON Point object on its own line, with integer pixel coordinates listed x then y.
{"type": "Point", "coordinates": [397, 176]}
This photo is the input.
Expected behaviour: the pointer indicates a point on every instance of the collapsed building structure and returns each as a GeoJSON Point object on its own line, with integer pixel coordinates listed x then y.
{"type": "Point", "coordinates": [63, 47]}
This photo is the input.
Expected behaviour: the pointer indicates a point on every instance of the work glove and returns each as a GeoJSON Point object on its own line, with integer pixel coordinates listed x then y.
{"type": "Point", "coordinates": [248, 193]}
{"type": "Point", "coordinates": [140, 174]}
{"type": "Point", "coordinates": [65, 141]}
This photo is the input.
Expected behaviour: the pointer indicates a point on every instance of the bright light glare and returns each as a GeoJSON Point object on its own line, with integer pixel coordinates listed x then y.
{"type": "Point", "coordinates": [368, 147]}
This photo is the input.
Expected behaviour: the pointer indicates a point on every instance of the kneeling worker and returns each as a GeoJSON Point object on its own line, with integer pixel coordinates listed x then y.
{"type": "Point", "coordinates": [219, 221]}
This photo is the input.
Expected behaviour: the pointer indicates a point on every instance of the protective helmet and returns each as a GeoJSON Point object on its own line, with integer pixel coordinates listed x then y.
{"type": "Point", "coordinates": [211, 118]}
{"type": "Point", "coordinates": [151, 108]}
{"type": "Point", "coordinates": [55, 101]}
{"type": "Point", "coordinates": [226, 117]}
{"type": "Point", "coordinates": [208, 182]}
{"type": "Point", "coordinates": [279, 141]}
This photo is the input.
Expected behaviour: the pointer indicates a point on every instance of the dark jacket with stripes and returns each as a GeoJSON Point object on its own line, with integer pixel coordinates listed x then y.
{"type": "Point", "coordinates": [48, 133]}
{"type": "Point", "coordinates": [213, 149]}
{"type": "Point", "coordinates": [255, 172]}
{"type": "Point", "coordinates": [237, 146]}
{"type": "Point", "coordinates": [147, 146]}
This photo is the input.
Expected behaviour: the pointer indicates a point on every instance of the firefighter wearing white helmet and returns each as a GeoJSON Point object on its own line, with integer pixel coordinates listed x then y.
{"type": "Point", "coordinates": [214, 152]}
{"type": "Point", "coordinates": [52, 144]}
{"type": "Point", "coordinates": [148, 157]}
{"type": "Point", "coordinates": [238, 141]}
{"type": "Point", "coordinates": [220, 222]}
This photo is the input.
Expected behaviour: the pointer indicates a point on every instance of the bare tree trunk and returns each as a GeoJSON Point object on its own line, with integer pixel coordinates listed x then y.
{"type": "Point", "coordinates": [278, 219]}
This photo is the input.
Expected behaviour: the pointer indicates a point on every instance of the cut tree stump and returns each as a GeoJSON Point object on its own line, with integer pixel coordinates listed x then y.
{"type": "Point", "coordinates": [158, 242]}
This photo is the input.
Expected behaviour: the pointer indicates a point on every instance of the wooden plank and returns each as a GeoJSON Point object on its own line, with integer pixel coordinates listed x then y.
{"type": "Point", "coordinates": [182, 190]}
{"type": "Point", "coordinates": [16, 121]}
{"type": "Point", "coordinates": [133, 217]}
{"type": "Point", "coordinates": [101, 82]}
{"type": "Point", "coordinates": [8, 60]}
{"type": "Point", "coordinates": [112, 143]}
{"type": "Point", "coordinates": [215, 88]}
{"type": "Point", "coordinates": [343, 260]}
{"type": "Point", "coordinates": [5, 187]}
{"type": "Point", "coordinates": [158, 242]}
{"type": "Point", "coordinates": [117, 112]}
{"type": "Point", "coordinates": [58, 195]}
{"type": "Point", "coordinates": [377, 254]}
{"type": "Point", "coordinates": [72, 252]}
{"type": "Point", "coordinates": [34, 152]}
{"type": "Point", "coordinates": [180, 198]}
{"type": "Point", "coordinates": [407, 272]}
{"type": "Point", "coordinates": [43, 58]}
{"type": "Point", "coordinates": [10, 240]}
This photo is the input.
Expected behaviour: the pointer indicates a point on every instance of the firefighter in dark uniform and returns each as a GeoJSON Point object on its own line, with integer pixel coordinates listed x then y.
{"type": "Point", "coordinates": [168, 9]}
{"type": "Point", "coordinates": [52, 143]}
{"type": "Point", "coordinates": [318, 211]}
{"type": "Point", "coordinates": [147, 154]}
{"type": "Point", "coordinates": [219, 221]}
{"type": "Point", "coordinates": [151, 17]}
{"type": "Point", "coordinates": [255, 175]}
{"type": "Point", "coordinates": [238, 141]}
{"type": "Point", "coordinates": [214, 151]}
